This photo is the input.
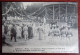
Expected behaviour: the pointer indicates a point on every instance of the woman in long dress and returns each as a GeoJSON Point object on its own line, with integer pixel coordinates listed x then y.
{"type": "Point", "coordinates": [18, 31]}
{"type": "Point", "coordinates": [9, 29]}
{"type": "Point", "coordinates": [41, 32]}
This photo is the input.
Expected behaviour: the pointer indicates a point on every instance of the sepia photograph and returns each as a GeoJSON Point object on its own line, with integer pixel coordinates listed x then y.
{"type": "Point", "coordinates": [39, 27]}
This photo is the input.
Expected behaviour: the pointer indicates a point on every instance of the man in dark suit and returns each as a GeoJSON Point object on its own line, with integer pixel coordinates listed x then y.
{"type": "Point", "coordinates": [30, 32]}
{"type": "Point", "coordinates": [13, 33]}
{"type": "Point", "coordinates": [22, 31]}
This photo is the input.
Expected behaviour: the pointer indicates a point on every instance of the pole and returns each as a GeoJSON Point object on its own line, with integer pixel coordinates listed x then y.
{"type": "Point", "coordinates": [59, 12]}
{"type": "Point", "coordinates": [53, 12]}
{"type": "Point", "coordinates": [66, 12]}
{"type": "Point", "coordinates": [45, 17]}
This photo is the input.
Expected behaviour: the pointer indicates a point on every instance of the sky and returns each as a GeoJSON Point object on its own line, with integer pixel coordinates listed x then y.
{"type": "Point", "coordinates": [25, 4]}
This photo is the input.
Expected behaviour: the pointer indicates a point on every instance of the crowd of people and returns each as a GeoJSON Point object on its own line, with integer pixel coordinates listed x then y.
{"type": "Point", "coordinates": [16, 31]}
{"type": "Point", "coordinates": [30, 30]}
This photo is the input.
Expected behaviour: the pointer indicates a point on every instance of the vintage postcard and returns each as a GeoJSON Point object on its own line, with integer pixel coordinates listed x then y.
{"type": "Point", "coordinates": [39, 27]}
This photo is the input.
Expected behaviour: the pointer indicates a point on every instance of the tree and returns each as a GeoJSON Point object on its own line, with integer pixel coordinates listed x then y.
{"type": "Point", "coordinates": [11, 8]}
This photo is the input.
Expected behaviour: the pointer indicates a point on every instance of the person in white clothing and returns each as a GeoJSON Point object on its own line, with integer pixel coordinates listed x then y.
{"type": "Point", "coordinates": [9, 29]}
{"type": "Point", "coordinates": [18, 31]}
{"type": "Point", "coordinates": [25, 32]}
